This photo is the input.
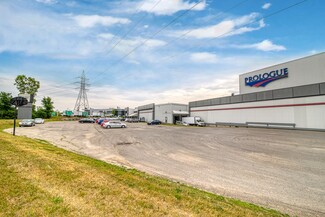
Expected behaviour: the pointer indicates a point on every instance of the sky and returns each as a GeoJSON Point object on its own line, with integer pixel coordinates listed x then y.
{"type": "Point", "coordinates": [136, 52]}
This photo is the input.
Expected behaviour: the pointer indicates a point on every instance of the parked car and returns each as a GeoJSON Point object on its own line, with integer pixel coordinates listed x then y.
{"type": "Point", "coordinates": [154, 122]}
{"type": "Point", "coordinates": [26, 123]}
{"type": "Point", "coordinates": [100, 121]}
{"type": "Point", "coordinates": [39, 121]}
{"type": "Point", "coordinates": [86, 120]}
{"type": "Point", "coordinates": [114, 124]}
{"type": "Point", "coordinates": [131, 120]}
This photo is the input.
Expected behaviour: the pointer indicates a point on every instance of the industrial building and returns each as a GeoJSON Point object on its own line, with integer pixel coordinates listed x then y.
{"type": "Point", "coordinates": [290, 94]}
{"type": "Point", "coordinates": [106, 112]}
{"type": "Point", "coordinates": [166, 113]}
{"type": "Point", "coordinates": [131, 112]}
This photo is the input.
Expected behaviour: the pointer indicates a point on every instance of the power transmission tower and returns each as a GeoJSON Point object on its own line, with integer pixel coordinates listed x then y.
{"type": "Point", "coordinates": [82, 100]}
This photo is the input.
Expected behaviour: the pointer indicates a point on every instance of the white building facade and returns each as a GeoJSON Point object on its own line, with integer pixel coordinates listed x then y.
{"type": "Point", "coordinates": [287, 94]}
{"type": "Point", "coordinates": [167, 113]}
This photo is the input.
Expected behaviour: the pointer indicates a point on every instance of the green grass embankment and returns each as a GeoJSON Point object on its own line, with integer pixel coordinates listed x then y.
{"type": "Point", "coordinates": [39, 179]}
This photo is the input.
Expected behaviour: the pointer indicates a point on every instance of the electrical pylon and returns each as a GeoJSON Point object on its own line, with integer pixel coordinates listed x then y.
{"type": "Point", "coordinates": [82, 100]}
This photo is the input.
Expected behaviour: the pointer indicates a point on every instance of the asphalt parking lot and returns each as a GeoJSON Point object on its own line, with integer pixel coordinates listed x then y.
{"type": "Point", "coordinates": [280, 169]}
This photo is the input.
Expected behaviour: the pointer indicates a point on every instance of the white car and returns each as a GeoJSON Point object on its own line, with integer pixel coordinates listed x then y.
{"type": "Point", "coordinates": [27, 123]}
{"type": "Point", "coordinates": [114, 124]}
{"type": "Point", "coordinates": [39, 121]}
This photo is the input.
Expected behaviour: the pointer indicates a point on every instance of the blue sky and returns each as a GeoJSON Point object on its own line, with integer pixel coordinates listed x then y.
{"type": "Point", "coordinates": [139, 52]}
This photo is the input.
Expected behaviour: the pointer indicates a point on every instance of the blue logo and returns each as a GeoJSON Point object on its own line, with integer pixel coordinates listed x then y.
{"type": "Point", "coordinates": [262, 80]}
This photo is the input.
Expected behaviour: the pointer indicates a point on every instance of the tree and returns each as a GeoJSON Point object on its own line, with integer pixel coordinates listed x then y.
{"type": "Point", "coordinates": [48, 106]}
{"type": "Point", "coordinates": [40, 113]}
{"type": "Point", "coordinates": [6, 110]}
{"type": "Point", "coordinates": [114, 112]}
{"type": "Point", "coordinates": [27, 85]}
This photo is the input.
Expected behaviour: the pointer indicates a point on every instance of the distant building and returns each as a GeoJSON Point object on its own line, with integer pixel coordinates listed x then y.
{"type": "Point", "coordinates": [166, 113]}
{"type": "Point", "coordinates": [106, 112]}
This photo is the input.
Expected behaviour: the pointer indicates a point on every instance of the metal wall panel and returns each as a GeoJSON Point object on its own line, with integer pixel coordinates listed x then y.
{"type": "Point", "coordinates": [215, 101]}
{"type": "Point", "coordinates": [200, 103]}
{"type": "Point", "coordinates": [265, 95]}
{"type": "Point", "coordinates": [148, 106]}
{"type": "Point", "coordinates": [283, 93]}
{"type": "Point", "coordinates": [251, 97]}
{"type": "Point", "coordinates": [225, 100]}
{"type": "Point", "coordinates": [304, 71]}
{"type": "Point", "coordinates": [207, 102]}
{"type": "Point", "coordinates": [192, 104]}
{"type": "Point", "coordinates": [322, 88]}
{"type": "Point", "coordinates": [308, 90]}
{"type": "Point", "coordinates": [236, 99]}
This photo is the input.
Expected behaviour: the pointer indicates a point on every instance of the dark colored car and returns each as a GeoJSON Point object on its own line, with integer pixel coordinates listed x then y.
{"type": "Point", "coordinates": [154, 122]}
{"type": "Point", "coordinates": [86, 120]}
{"type": "Point", "coordinates": [100, 121]}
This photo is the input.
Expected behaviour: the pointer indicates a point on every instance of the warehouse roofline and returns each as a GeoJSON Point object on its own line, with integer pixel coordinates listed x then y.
{"type": "Point", "coordinates": [283, 93]}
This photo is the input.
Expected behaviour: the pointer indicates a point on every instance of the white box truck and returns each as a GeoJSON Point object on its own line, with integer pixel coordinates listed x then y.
{"type": "Point", "coordinates": [196, 121]}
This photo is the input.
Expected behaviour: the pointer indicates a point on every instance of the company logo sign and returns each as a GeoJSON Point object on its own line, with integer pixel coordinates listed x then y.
{"type": "Point", "coordinates": [262, 80]}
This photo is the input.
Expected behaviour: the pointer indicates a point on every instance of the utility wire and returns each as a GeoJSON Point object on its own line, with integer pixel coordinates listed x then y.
{"type": "Point", "coordinates": [160, 30]}
{"type": "Point", "coordinates": [128, 32]}
{"type": "Point", "coordinates": [226, 33]}
{"type": "Point", "coordinates": [115, 36]}
{"type": "Point", "coordinates": [175, 19]}
{"type": "Point", "coordinates": [54, 87]}
{"type": "Point", "coordinates": [218, 15]}
{"type": "Point", "coordinates": [156, 33]}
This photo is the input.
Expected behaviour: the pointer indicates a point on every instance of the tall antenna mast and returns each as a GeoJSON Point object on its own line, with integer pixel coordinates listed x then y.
{"type": "Point", "coordinates": [82, 100]}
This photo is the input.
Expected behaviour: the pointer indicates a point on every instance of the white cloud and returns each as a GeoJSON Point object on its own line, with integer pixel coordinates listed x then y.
{"type": "Point", "coordinates": [265, 45]}
{"type": "Point", "coordinates": [57, 36]}
{"type": "Point", "coordinates": [88, 21]}
{"type": "Point", "coordinates": [152, 43]}
{"type": "Point", "coordinates": [105, 35]}
{"type": "Point", "coordinates": [312, 52]}
{"type": "Point", "coordinates": [168, 7]}
{"type": "Point", "coordinates": [266, 6]}
{"type": "Point", "coordinates": [226, 28]}
{"type": "Point", "coordinates": [126, 45]}
{"type": "Point", "coordinates": [204, 57]}
{"type": "Point", "coordinates": [48, 2]}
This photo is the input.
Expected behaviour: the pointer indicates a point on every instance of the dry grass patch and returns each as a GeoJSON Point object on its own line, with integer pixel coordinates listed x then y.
{"type": "Point", "coordinates": [39, 179]}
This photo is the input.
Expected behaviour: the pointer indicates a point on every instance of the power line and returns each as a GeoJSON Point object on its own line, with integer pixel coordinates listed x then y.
{"type": "Point", "coordinates": [128, 32]}
{"type": "Point", "coordinates": [156, 33]}
{"type": "Point", "coordinates": [226, 33]}
{"type": "Point", "coordinates": [160, 30]}
{"type": "Point", "coordinates": [218, 15]}
{"type": "Point", "coordinates": [54, 87]}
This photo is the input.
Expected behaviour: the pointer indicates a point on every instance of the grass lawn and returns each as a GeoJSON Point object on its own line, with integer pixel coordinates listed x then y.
{"type": "Point", "coordinates": [39, 179]}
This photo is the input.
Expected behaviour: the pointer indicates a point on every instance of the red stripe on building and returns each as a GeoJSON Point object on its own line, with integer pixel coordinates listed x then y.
{"type": "Point", "coordinates": [260, 107]}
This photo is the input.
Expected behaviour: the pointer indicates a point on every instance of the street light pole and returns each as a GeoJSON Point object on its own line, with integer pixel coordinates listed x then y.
{"type": "Point", "coordinates": [14, 132]}
{"type": "Point", "coordinates": [17, 101]}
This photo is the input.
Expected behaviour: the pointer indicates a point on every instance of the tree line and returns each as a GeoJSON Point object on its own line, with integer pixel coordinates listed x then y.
{"type": "Point", "coordinates": [25, 85]}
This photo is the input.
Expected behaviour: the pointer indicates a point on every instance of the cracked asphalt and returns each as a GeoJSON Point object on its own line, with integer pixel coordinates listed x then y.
{"type": "Point", "coordinates": [279, 169]}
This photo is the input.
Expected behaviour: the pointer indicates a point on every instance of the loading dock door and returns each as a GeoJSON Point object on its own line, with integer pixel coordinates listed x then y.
{"type": "Point", "coordinates": [177, 115]}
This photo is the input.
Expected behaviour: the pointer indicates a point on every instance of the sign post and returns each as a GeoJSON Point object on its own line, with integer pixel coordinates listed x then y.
{"type": "Point", "coordinates": [17, 102]}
